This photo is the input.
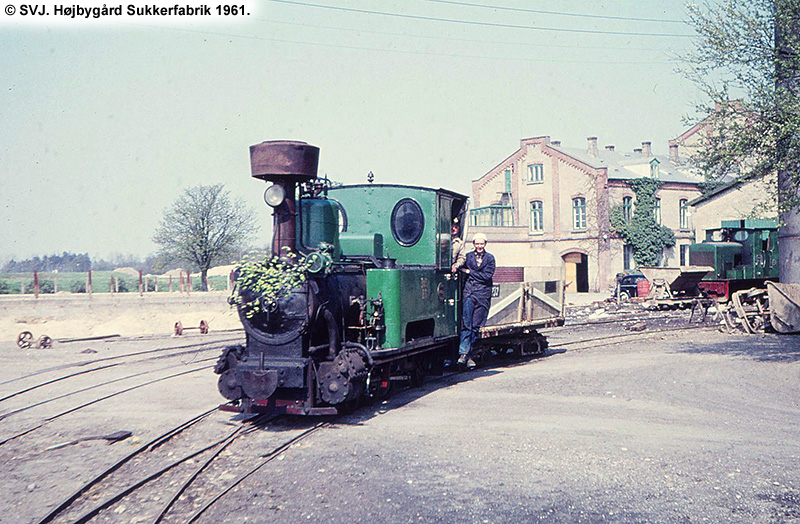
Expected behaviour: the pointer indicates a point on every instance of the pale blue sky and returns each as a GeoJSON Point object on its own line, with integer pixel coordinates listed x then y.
{"type": "Point", "coordinates": [101, 126]}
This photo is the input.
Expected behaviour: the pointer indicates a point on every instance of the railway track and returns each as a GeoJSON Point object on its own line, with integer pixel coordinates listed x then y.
{"type": "Point", "coordinates": [177, 478]}
{"type": "Point", "coordinates": [160, 487]}
{"type": "Point", "coordinates": [83, 405]}
{"type": "Point", "coordinates": [215, 345]}
{"type": "Point", "coordinates": [131, 358]}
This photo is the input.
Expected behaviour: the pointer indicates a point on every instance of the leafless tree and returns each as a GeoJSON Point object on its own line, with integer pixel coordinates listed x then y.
{"type": "Point", "coordinates": [205, 226]}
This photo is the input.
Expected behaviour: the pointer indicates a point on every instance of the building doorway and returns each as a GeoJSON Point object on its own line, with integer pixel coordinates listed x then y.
{"type": "Point", "coordinates": [577, 272]}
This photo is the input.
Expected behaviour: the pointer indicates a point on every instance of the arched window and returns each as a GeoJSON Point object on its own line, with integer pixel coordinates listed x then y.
{"type": "Point", "coordinates": [537, 217]}
{"type": "Point", "coordinates": [578, 213]}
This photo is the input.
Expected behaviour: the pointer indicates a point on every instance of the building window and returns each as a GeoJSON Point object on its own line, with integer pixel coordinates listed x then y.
{"type": "Point", "coordinates": [537, 217]}
{"type": "Point", "coordinates": [684, 213]}
{"type": "Point", "coordinates": [654, 169]}
{"type": "Point", "coordinates": [657, 210]}
{"type": "Point", "coordinates": [627, 256]}
{"type": "Point", "coordinates": [627, 208]}
{"type": "Point", "coordinates": [507, 185]}
{"type": "Point", "coordinates": [578, 214]}
{"type": "Point", "coordinates": [684, 254]}
{"type": "Point", "coordinates": [492, 216]}
{"type": "Point", "coordinates": [535, 173]}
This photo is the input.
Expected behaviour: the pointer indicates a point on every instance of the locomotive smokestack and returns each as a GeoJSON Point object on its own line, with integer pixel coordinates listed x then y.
{"type": "Point", "coordinates": [285, 164]}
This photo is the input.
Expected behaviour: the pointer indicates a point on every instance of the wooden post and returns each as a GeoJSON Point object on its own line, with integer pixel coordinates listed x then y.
{"type": "Point", "coordinates": [55, 283]}
{"type": "Point", "coordinates": [188, 282]}
{"type": "Point", "coordinates": [141, 289]}
{"type": "Point", "coordinates": [170, 283]}
{"type": "Point", "coordinates": [111, 285]}
{"type": "Point", "coordinates": [35, 284]}
{"type": "Point", "coordinates": [89, 282]}
{"type": "Point", "coordinates": [156, 277]}
{"type": "Point", "coordinates": [182, 282]}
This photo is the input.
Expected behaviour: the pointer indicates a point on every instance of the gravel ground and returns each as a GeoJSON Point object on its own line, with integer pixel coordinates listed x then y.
{"type": "Point", "coordinates": [687, 426]}
{"type": "Point", "coordinates": [690, 427]}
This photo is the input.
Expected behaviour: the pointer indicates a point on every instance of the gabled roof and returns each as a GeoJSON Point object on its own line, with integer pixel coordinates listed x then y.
{"type": "Point", "coordinates": [621, 166]}
{"type": "Point", "coordinates": [724, 188]}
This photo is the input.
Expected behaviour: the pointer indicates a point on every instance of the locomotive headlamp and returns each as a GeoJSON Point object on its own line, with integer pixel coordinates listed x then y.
{"type": "Point", "coordinates": [274, 195]}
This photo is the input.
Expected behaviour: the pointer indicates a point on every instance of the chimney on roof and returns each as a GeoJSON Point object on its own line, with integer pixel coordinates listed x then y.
{"type": "Point", "coordinates": [592, 146]}
{"type": "Point", "coordinates": [673, 152]}
{"type": "Point", "coordinates": [556, 143]}
{"type": "Point", "coordinates": [638, 150]}
{"type": "Point", "coordinates": [646, 150]}
{"type": "Point", "coordinates": [610, 147]}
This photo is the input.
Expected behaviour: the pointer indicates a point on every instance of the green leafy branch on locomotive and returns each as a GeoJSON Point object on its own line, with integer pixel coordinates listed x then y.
{"type": "Point", "coordinates": [261, 282]}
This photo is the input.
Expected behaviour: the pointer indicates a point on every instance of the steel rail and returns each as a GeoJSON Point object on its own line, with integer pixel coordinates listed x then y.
{"type": "Point", "coordinates": [178, 492]}
{"type": "Point", "coordinates": [93, 512]}
{"type": "Point", "coordinates": [643, 334]}
{"type": "Point", "coordinates": [157, 441]}
{"type": "Point", "coordinates": [100, 368]}
{"type": "Point", "coordinates": [95, 401]}
{"type": "Point", "coordinates": [89, 388]}
{"type": "Point", "coordinates": [115, 357]}
{"type": "Point", "coordinates": [31, 388]}
{"type": "Point", "coordinates": [268, 457]}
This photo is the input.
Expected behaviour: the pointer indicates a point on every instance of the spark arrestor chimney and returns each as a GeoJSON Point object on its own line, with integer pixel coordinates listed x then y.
{"type": "Point", "coordinates": [285, 164]}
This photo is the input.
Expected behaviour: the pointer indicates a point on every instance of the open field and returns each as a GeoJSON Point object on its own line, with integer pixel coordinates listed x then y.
{"type": "Point", "coordinates": [76, 282]}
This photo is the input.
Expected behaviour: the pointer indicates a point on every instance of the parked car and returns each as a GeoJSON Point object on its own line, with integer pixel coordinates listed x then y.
{"type": "Point", "coordinates": [627, 285]}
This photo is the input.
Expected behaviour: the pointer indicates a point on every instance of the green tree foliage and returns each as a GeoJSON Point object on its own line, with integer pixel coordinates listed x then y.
{"type": "Point", "coordinates": [753, 116]}
{"type": "Point", "coordinates": [647, 237]}
{"type": "Point", "coordinates": [204, 226]}
{"type": "Point", "coordinates": [64, 262]}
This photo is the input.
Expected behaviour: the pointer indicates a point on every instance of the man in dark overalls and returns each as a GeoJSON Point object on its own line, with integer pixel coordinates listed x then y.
{"type": "Point", "coordinates": [479, 268]}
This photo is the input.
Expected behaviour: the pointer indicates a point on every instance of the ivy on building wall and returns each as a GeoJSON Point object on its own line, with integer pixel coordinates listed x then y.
{"type": "Point", "coordinates": [647, 237]}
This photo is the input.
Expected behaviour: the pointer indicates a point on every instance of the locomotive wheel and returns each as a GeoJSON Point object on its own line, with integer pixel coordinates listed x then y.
{"type": "Point", "coordinates": [24, 339]}
{"type": "Point", "coordinates": [380, 385]}
{"type": "Point", "coordinates": [347, 407]}
{"type": "Point", "coordinates": [417, 372]}
{"type": "Point", "coordinates": [435, 364]}
{"type": "Point", "coordinates": [228, 386]}
{"type": "Point", "coordinates": [44, 342]}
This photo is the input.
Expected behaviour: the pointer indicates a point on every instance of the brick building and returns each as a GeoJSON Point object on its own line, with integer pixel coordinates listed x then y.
{"type": "Point", "coordinates": [545, 208]}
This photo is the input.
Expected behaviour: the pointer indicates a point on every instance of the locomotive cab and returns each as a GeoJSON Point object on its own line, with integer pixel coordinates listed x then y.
{"type": "Point", "coordinates": [743, 253]}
